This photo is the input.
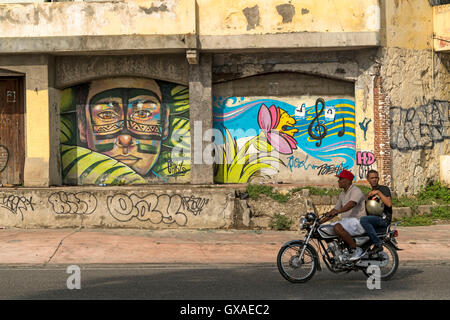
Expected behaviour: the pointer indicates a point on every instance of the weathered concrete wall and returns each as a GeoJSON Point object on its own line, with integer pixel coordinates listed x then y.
{"type": "Point", "coordinates": [72, 70]}
{"type": "Point", "coordinates": [177, 25]}
{"type": "Point", "coordinates": [414, 83]}
{"type": "Point", "coordinates": [225, 17]}
{"type": "Point", "coordinates": [124, 207]}
{"type": "Point", "coordinates": [64, 19]}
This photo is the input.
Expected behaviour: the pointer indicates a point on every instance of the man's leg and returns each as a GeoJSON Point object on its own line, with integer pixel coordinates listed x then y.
{"type": "Point", "coordinates": [370, 223]}
{"type": "Point", "coordinates": [344, 235]}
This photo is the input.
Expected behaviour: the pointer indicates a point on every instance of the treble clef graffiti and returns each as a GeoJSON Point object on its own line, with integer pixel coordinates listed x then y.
{"type": "Point", "coordinates": [318, 127]}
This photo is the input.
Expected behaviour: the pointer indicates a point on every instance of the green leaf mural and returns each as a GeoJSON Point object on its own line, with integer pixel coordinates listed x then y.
{"type": "Point", "coordinates": [236, 165]}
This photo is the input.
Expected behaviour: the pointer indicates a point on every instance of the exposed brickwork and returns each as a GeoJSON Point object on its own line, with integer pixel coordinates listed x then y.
{"type": "Point", "coordinates": [381, 124]}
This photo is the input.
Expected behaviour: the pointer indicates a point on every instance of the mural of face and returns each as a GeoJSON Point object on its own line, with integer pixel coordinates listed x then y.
{"type": "Point", "coordinates": [125, 119]}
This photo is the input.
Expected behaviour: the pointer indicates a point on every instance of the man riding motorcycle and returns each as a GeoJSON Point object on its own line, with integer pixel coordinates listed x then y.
{"type": "Point", "coordinates": [351, 206]}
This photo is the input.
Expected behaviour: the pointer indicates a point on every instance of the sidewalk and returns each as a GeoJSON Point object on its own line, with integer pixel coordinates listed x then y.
{"type": "Point", "coordinates": [123, 246]}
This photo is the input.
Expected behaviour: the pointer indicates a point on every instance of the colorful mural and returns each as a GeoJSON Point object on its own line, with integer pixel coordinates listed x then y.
{"type": "Point", "coordinates": [286, 140]}
{"type": "Point", "coordinates": [124, 131]}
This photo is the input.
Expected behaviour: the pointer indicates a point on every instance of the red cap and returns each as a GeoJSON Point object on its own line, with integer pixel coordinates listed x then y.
{"type": "Point", "coordinates": [346, 175]}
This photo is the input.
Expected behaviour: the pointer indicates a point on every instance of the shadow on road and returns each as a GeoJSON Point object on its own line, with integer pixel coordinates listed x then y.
{"type": "Point", "coordinates": [243, 283]}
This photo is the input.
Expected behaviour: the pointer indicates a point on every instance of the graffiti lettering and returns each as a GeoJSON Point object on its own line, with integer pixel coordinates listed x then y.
{"type": "Point", "coordinates": [324, 169]}
{"type": "Point", "coordinates": [156, 209]}
{"type": "Point", "coordinates": [295, 162]}
{"type": "Point", "coordinates": [4, 157]}
{"type": "Point", "coordinates": [194, 204]}
{"type": "Point", "coordinates": [16, 204]}
{"type": "Point", "coordinates": [73, 203]}
{"type": "Point", "coordinates": [174, 168]}
{"type": "Point", "coordinates": [329, 169]}
{"type": "Point", "coordinates": [419, 128]}
{"type": "Point", "coordinates": [365, 158]}
{"type": "Point", "coordinates": [26, 15]}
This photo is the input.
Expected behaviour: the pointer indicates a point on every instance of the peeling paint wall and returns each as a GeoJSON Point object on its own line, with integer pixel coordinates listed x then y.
{"type": "Point", "coordinates": [97, 18]}
{"type": "Point", "coordinates": [415, 82]}
{"type": "Point", "coordinates": [215, 17]}
{"type": "Point", "coordinates": [225, 17]}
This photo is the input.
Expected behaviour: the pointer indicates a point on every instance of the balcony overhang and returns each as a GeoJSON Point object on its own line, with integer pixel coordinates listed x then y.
{"type": "Point", "coordinates": [140, 27]}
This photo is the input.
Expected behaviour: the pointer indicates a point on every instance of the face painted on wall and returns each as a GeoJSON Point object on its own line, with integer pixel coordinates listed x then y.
{"type": "Point", "coordinates": [126, 120]}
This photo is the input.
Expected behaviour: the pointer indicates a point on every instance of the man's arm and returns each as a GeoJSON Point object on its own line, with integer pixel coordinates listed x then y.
{"type": "Point", "coordinates": [331, 214]}
{"type": "Point", "coordinates": [386, 200]}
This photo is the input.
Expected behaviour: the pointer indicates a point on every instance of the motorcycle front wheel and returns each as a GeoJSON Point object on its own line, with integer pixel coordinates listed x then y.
{"type": "Point", "coordinates": [387, 271]}
{"type": "Point", "coordinates": [291, 267]}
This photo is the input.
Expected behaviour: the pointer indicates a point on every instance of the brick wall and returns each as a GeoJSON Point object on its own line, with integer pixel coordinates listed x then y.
{"type": "Point", "coordinates": [381, 124]}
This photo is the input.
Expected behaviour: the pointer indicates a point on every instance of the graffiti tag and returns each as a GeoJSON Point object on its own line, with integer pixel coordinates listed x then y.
{"type": "Point", "coordinates": [4, 157]}
{"type": "Point", "coordinates": [178, 169]}
{"type": "Point", "coordinates": [194, 204]}
{"type": "Point", "coordinates": [365, 161]}
{"type": "Point", "coordinates": [153, 208]}
{"type": "Point", "coordinates": [73, 203]}
{"type": "Point", "coordinates": [16, 204]}
{"type": "Point", "coordinates": [323, 169]}
{"type": "Point", "coordinates": [419, 128]}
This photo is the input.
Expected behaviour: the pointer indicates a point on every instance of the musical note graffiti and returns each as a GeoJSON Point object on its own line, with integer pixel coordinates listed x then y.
{"type": "Point", "coordinates": [319, 127]}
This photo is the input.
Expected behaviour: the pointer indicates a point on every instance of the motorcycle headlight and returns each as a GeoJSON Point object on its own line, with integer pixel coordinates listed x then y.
{"type": "Point", "coordinates": [310, 217]}
{"type": "Point", "coordinates": [303, 223]}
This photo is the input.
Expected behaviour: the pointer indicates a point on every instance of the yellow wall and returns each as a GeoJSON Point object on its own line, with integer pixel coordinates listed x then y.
{"type": "Point", "coordinates": [97, 18]}
{"type": "Point", "coordinates": [37, 120]}
{"type": "Point", "coordinates": [226, 17]}
{"type": "Point", "coordinates": [409, 24]}
{"type": "Point", "coordinates": [215, 17]}
{"type": "Point", "coordinates": [441, 22]}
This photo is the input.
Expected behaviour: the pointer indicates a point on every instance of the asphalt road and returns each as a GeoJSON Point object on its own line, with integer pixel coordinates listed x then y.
{"type": "Point", "coordinates": [200, 282]}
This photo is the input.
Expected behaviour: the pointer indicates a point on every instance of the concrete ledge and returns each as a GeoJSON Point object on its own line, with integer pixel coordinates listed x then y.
{"type": "Point", "coordinates": [156, 207]}
{"type": "Point", "coordinates": [294, 40]}
{"type": "Point", "coordinates": [140, 44]}
{"type": "Point", "coordinates": [95, 44]}
{"type": "Point", "coordinates": [401, 212]}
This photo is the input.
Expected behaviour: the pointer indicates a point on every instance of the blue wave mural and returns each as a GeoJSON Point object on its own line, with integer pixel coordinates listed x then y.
{"type": "Point", "coordinates": [326, 131]}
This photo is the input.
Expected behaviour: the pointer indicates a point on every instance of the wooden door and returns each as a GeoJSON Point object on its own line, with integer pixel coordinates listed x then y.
{"type": "Point", "coordinates": [12, 150]}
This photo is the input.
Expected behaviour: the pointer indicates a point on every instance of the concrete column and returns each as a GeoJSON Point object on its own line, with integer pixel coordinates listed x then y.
{"type": "Point", "coordinates": [200, 99]}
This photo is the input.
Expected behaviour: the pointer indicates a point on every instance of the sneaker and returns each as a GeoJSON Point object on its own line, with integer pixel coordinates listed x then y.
{"type": "Point", "coordinates": [357, 254]}
{"type": "Point", "coordinates": [377, 248]}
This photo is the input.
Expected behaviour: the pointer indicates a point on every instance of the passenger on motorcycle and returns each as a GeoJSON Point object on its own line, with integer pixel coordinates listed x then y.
{"type": "Point", "coordinates": [351, 206]}
{"type": "Point", "coordinates": [372, 222]}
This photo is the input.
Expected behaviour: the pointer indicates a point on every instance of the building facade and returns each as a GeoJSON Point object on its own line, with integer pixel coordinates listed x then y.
{"type": "Point", "coordinates": [202, 92]}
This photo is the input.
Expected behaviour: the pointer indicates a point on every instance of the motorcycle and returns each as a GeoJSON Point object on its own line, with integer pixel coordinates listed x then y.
{"type": "Point", "coordinates": [298, 260]}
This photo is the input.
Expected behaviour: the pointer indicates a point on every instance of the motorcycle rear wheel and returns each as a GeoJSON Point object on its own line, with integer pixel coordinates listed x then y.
{"type": "Point", "coordinates": [388, 271]}
{"type": "Point", "coordinates": [291, 267]}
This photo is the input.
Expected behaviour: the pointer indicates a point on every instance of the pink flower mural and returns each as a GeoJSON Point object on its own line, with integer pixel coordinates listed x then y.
{"type": "Point", "coordinates": [273, 122]}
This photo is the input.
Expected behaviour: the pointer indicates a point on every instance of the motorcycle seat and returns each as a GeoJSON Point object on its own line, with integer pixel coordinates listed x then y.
{"type": "Point", "coordinates": [380, 231]}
